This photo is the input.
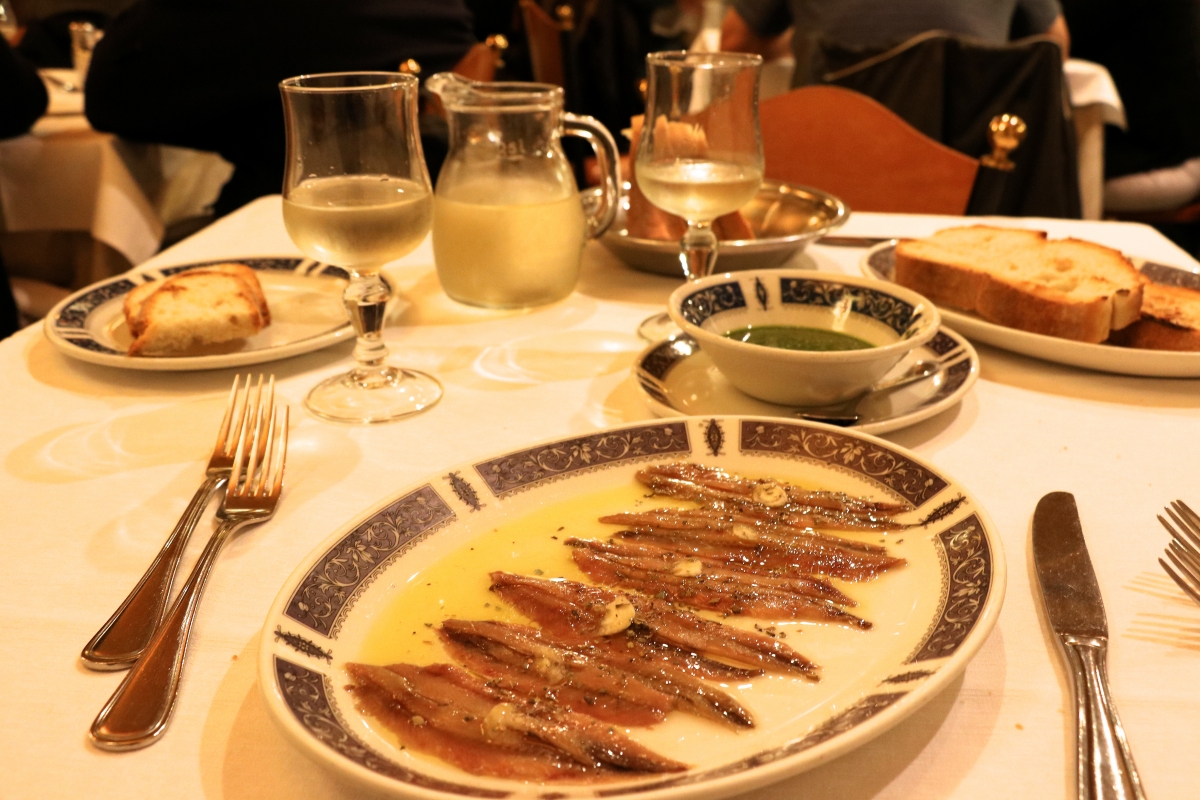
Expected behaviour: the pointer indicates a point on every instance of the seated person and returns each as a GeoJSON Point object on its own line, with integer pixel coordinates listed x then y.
{"type": "Point", "coordinates": [206, 75]}
{"type": "Point", "coordinates": [23, 99]}
{"type": "Point", "coordinates": [755, 26]}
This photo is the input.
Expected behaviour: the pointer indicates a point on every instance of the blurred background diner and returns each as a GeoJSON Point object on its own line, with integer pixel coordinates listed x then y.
{"type": "Point", "coordinates": [182, 120]}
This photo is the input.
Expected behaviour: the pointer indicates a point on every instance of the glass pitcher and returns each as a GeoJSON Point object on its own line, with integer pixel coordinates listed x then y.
{"type": "Point", "coordinates": [509, 223]}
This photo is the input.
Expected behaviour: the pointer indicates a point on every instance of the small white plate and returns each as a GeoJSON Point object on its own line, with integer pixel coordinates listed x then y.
{"type": "Point", "coordinates": [375, 588]}
{"type": "Point", "coordinates": [305, 299]}
{"type": "Point", "coordinates": [677, 378]}
{"type": "Point", "coordinates": [879, 261]}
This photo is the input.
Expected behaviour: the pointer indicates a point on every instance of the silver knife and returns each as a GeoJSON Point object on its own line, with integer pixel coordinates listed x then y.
{"type": "Point", "coordinates": [1075, 611]}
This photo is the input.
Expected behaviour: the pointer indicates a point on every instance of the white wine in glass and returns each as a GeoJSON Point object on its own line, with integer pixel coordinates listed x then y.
{"type": "Point", "coordinates": [356, 194]}
{"type": "Point", "coordinates": [699, 189]}
{"type": "Point", "coordinates": [700, 152]}
{"type": "Point", "coordinates": [359, 222]}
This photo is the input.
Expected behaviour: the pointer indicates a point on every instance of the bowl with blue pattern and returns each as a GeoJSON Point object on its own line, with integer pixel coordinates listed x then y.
{"type": "Point", "coordinates": [889, 320]}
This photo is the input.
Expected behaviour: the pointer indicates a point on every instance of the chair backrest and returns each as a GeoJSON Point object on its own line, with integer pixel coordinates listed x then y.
{"type": "Point", "coordinates": [544, 37]}
{"type": "Point", "coordinates": [847, 144]}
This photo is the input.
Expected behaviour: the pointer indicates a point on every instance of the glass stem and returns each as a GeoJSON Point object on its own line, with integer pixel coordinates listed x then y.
{"type": "Point", "coordinates": [366, 300]}
{"type": "Point", "coordinates": [698, 250]}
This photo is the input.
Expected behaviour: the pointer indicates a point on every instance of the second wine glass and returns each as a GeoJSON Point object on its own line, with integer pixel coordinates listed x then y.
{"type": "Point", "coordinates": [356, 194]}
{"type": "Point", "coordinates": [700, 153]}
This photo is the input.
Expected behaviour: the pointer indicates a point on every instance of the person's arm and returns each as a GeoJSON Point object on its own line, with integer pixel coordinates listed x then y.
{"type": "Point", "coordinates": [1045, 17]}
{"type": "Point", "coordinates": [737, 36]}
{"type": "Point", "coordinates": [1059, 33]}
{"type": "Point", "coordinates": [23, 96]}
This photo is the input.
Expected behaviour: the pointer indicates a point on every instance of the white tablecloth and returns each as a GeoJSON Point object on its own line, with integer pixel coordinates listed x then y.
{"type": "Point", "coordinates": [98, 463]}
{"type": "Point", "coordinates": [64, 176]}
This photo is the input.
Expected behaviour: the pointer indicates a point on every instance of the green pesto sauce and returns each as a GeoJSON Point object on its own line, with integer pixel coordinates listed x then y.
{"type": "Point", "coordinates": [794, 337]}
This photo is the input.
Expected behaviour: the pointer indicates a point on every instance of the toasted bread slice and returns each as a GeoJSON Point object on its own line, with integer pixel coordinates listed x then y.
{"type": "Point", "coordinates": [1017, 278]}
{"type": "Point", "coordinates": [1170, 320]}
{"type": "Point", "coordinates": [134, 300]}
{"type": "Point", "coordinates": [195, 308]}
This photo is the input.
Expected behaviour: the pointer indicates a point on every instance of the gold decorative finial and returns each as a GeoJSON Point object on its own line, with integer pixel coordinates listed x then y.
{"type": "Point", "coordinates": [1005, 132]}
{"type": "Point", "coordinates": [497, 43]}
{"type": "Point", "coordinates": [566, 17]}
{"type": "Point", "coordinates": [410, 67]}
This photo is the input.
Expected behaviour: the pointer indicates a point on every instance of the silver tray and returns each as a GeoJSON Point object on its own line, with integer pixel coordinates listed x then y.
{"type": "Point", "coordinates": [785, 217]}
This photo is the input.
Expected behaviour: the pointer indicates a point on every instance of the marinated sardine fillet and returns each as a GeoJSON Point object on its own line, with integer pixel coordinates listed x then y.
{"type": "Point", "coordinates": [516, 659]}
{"type": "Point", "coordinates": [600, 681]}
{"type": "Point", "coordinates": [695, 482]}
{"type": "Point", "coordinates": [446, 712]}
{"type": "Point", "coordinates": [572, 608]}
{"type": "Point", "coordinates": [731, 593]}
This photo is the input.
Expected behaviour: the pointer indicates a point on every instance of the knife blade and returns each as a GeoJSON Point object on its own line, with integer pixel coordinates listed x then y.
{"type": "Point", "coordinates": [1075, 611]}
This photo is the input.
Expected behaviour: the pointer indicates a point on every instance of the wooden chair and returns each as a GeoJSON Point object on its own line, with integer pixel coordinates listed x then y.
{"type": "Point", "coordinates": [851, 146]}
{"type": "Point", "coordinates": [551, 45]}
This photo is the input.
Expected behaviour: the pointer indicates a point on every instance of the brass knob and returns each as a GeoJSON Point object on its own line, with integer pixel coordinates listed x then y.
{"type": "Point", "coordinates": [497, 42]}
{"type": "Point", "coordinates": [566, 17]}
{"type": "Point", "coordinates": [1005, 133]}
{"type": "Point", "coordinates": [410, 67]}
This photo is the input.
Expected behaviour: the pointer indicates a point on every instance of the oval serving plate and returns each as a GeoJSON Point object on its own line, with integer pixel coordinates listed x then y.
{"type": "Point", "coordinates": [304, 296]}
{"type": "Point", "coordinates": [784, 216]}
{"type": "Point", "coordinates": [879, 262]}
{"type": "Point", "coordinates": [374, 589]}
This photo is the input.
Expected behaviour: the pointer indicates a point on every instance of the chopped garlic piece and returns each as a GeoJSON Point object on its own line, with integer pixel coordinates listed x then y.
{"type": "Point", "coordinates": [688, 568]}
{"type": "Point", "coordinates": [770, 493]}
{"type": "Point", "coordinates": [618, 615]}
{"type": "Point", "coordinates": [743, 531]}
{"type": "Point", "coordinates": [500, 718]}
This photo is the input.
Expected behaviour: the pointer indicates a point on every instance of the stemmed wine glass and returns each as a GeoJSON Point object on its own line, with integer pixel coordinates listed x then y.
{"type": "Point", "coordinates": [700, 153]}
{"type": "Point", "coordinates": [356, 194]}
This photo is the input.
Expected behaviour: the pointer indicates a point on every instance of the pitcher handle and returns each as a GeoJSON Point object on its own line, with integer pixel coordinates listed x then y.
{"type": "Point", "coordinates": [591, 130]}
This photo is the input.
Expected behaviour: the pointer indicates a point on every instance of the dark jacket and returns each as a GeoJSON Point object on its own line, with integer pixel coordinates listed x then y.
{"type": "Point", "coordinates": [23, 96]}
{"type": "Point", "coordinates": [205, 73]}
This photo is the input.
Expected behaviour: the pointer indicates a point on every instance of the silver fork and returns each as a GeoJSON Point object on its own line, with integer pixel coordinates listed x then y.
{"type": "Point", "coordinates": [138, 712]}
{"type": "Point", "coordinates": [122, 639]}
{"type": "Point", "coordinates": [1184, 548]}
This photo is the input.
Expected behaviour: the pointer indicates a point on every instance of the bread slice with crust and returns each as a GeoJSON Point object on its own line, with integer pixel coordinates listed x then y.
{"type": "Point", "coordinates": [1020, 279]}
{"type": "Point", "coordinates": [135, 298]}
{"type": "Point", "coordinates": [195, 308]}
{"type": "Point", "coordinates": [1170, 320]}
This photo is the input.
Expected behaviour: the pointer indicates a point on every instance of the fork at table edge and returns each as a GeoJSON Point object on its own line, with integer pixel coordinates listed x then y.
{"type": "Point", "coordinates": [123, 638]}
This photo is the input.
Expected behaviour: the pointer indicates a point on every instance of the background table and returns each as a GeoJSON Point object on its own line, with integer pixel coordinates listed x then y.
{"type": "Point", "coordinates": [65, 176]}
{"type": "Point", "coordinates": [98, 463]}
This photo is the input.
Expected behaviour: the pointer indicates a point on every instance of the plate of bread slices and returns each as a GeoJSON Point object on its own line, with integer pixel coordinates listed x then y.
{"type": "Point", "coordinates": [1063, 300]}
{"type": "Point", "coordinates": [208, 315]}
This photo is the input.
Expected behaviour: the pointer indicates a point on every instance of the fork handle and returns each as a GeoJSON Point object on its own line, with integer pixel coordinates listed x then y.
{"type": "Point", "coordinates": [138, 712]}
{"type": "Point", "coordinates": [1104, 763]}
{"type": "Point", "coordinates": [122, 639]}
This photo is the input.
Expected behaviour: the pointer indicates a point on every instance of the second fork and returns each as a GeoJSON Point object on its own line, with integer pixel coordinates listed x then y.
{"type": "Point", "coordinates": [125, 635]}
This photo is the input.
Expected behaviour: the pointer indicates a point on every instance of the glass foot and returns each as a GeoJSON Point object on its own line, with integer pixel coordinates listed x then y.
{"type": "Point", "coordinates": [658, 327]}
{"type": "Point", "coordinates": [366, 396]}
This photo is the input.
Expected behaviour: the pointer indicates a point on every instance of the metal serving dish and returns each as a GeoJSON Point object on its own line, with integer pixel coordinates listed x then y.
{"type": "Point", "coordinates": [784, 216]}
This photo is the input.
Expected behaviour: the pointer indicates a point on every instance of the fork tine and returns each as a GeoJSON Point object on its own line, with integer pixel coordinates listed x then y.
{"type": "Point", "coordinates": [222, 445]}
{"type": "Point", "coordinates": [1195, 595]}
{"type": "Point", "coordinates": [277, 485]}
{"type": "Point", "coordinates": [254, 454]}
{"type": "Point", "coordinates": [1185, 537]}
{"type": "Point", "coordinates": [1191, 521]}
{"type": "Point", "coordinates": [239, 459]}
{"type": "Point", "coordinates": [1186, 559]}
{"type": "Point", "coordinates": [267, 454]}
{"type": "Point", "coordinates": [1189, 571]}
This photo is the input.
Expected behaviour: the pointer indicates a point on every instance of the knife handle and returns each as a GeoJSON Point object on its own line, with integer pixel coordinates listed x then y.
{"type": "Point", "coordinates": [1104, 764]}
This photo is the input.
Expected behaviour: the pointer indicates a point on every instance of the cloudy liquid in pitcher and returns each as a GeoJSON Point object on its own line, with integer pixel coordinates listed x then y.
{"type": "Point", "coordinates": [525, 252]}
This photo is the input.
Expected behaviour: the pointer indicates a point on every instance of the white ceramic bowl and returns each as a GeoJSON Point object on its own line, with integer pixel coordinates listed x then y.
{"type": "Point", "coordinates": [892, 318]}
